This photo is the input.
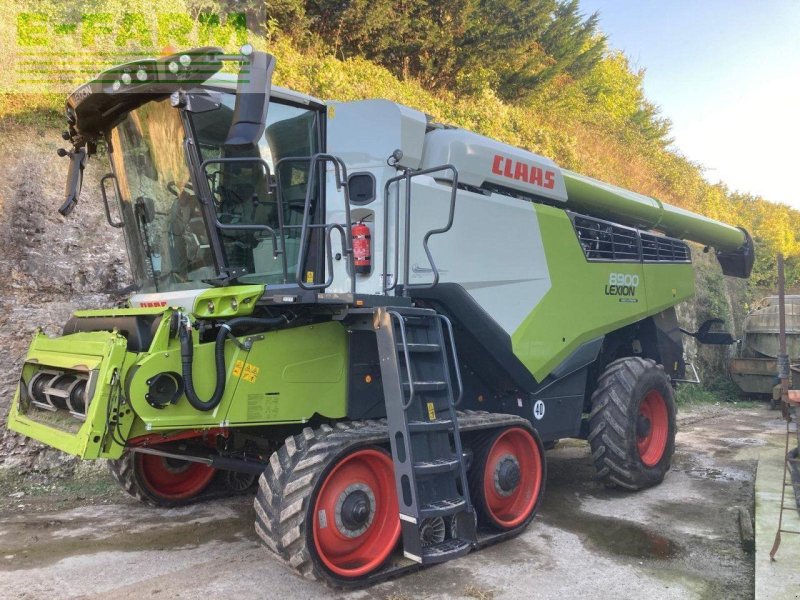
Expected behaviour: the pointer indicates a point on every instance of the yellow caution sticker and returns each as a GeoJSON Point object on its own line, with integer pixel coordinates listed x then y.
{"type": "Point", "coordinates": [309, 276]}
{"type": "Point", "coordinates": [245, 371]}
{"type": "Point", "coordinates": [237, 368]}
{"type": "Point", "coordinates": [250, 373]}
{"type": "Point", "coordinates": [431, 412]}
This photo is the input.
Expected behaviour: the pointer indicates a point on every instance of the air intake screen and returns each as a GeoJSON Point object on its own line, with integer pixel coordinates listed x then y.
{"type": "Point", "coordinates": [657, 248]}
{"type": "Point", "coordinates": [603, 241]}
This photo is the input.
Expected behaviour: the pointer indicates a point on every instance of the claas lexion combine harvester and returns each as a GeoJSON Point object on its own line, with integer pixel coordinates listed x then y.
{"type": "Point", "coordinates": [380, 321]}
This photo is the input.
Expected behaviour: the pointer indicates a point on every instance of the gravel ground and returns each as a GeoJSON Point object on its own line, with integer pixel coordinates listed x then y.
{"type": "Point", "coordinates": [81, 538]}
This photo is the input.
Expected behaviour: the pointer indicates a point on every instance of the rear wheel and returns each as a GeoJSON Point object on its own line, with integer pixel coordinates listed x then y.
{"type": "Point", "coordinates": [327, 504]}
{"type": "Point", "coordinates": [160, 481]}
{"type": "Point", "coordinates": [507, 477]}
{"type": "Point", "coordinates": [356, 524]}
{"type": "Point", "coordinates": [632, 424]}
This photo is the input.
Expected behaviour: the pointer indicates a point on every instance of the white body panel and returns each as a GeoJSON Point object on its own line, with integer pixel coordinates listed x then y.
{"type": "Point", "coordinates": [183, 299]}
{"type": "Point", "coordinates": [494, 249]}
{"type": "Point", "coordinates": [481, 160]}
{"type": "Point", "coordinates": [364, 134]}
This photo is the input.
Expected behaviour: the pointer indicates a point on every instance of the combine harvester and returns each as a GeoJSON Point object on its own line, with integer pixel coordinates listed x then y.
{"type": "Point", "coordinates": [381, 319]}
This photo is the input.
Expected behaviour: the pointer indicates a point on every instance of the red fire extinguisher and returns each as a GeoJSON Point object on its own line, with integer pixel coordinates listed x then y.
{"type": "Point", "coordinates": [362, 248]}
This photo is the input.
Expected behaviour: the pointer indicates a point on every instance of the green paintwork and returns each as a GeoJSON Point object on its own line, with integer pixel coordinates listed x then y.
{"type": "Point", "coordinates": [102, 355]}
{"type": "Point", "coordinates": [227, 302]}
{"type": "Point", "coordinates": [576, 309]}
{"type": "Point", "coordinates": [594, 197]}
{"type": "Point", "coordinates": [301, 372]}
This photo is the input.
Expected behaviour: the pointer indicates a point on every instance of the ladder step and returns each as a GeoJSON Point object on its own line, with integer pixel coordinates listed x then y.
{"type": "Point", "coordinates": [452, 548]}
{"type": "Point", "coordinates": [426, 426]}
{"type": "Point", "coordinates": [442, 508]}
{"type": "Point", "coordinates": [418, 347]}
{"type": "Point", "coordinates": [427, 386]}
{"type": "Point", "coordinates": [417, 320]}
{"type": "Point", "coordinates": [439, 465]}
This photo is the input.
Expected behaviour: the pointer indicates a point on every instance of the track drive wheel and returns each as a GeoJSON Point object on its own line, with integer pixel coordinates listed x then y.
{"type": "Point", "coordinates": [507, 477]}
{"type": "Point", "coordinates": [632, 424]}
{"type": "Point", "coordinates": [327, 504]}
{"type": "Point", "coordinates": [160, 481]}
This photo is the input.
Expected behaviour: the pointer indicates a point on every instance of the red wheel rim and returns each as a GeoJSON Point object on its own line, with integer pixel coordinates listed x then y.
{"type": "Point", "coordinates": [652, 428]}
{"type": "Point", "coordinates": [356, 515]}
{"type": "Point", "coordinates": [173, 479]}
{"type": "Point", "coordinates": [512, 477]}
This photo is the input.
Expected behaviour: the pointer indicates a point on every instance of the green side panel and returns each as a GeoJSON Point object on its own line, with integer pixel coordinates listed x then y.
{"type": "Point", "coordinates": [182, 414]}
{"type": "Point", "coordinates": [286, 377]}
{"type": "Point", "coordinates": [227, 302]}
{"type": "Point", "coordinates": [101, 358]}
{"type": "Point", "coordinates": [668, 284]}
{"type": "Point", "coordinates": [301, 372]}
{"type": "Point", "coordinates": [589, 299]}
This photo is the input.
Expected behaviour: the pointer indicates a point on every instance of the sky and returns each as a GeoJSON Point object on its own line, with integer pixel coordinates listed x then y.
{"type": "Point", "coordinates": [727, 74]}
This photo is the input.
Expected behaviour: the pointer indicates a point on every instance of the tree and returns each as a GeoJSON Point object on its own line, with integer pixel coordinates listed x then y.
{"type": "Point", "coordinates": [512, 45]}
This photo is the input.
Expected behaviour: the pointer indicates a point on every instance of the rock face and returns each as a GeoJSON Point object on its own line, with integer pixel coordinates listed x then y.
{"type": "Point", "coordinates": [49, 265]}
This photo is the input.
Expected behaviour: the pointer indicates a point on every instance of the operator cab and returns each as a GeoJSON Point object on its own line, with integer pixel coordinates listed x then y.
{"type": "Point", "coordinates": [165, 229]}
{"type": "Point", "coordinates": [212, 188]}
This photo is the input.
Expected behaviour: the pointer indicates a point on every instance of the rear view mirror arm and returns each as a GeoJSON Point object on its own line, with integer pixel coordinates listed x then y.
{"type": "Point", "coordinates": [72, 191]}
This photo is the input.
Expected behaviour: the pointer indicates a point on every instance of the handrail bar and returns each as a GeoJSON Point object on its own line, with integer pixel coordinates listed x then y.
{"type": "Point", "coordinates": [340, 171]}
{"type": "Point", "coordinates": [252, 227]}
{"type": "Point", "coordinates": [407, 176]}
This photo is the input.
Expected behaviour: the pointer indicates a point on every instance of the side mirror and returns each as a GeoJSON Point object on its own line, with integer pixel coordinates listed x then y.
{"type": "Point", "coordinates": [704, 335]}
{"type": "Point", "coordinates": [77, 161]}
{"type": "Point", "coordinates": [252, 99]}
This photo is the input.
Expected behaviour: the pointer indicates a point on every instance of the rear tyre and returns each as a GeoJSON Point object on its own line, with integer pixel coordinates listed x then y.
{"type": "Point", "coordinates": [507, 477]}
{"type": "Point", "coordinates": [160, 481]}
{"type": "Point", "coordinates": [632, 424]}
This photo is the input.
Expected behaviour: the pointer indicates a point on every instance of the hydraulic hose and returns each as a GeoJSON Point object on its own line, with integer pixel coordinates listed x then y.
{"type": "Point", "coordinates": [187, 356]}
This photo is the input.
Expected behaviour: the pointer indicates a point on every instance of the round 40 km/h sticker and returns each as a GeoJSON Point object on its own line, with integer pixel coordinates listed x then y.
{"type": "Point", "coordinates": [538, 410]}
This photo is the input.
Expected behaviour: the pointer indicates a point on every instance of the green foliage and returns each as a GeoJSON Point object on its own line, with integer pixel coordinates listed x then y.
{"type": "Point", "coordinates": [507, 46]}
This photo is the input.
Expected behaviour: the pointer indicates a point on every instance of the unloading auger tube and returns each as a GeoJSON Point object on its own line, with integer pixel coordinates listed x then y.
{"type": "Point", "coordinates": [187, 355]}
{"type": "Point", "coordinates": [733, 245]}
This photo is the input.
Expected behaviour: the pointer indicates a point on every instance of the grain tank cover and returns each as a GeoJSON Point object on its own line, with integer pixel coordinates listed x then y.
{"type": "Point", "coordinates": [488, 164]}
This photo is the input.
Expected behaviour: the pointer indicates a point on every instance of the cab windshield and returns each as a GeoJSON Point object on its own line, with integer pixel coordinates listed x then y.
{"type": "Point", "coordinates": [165, 231]}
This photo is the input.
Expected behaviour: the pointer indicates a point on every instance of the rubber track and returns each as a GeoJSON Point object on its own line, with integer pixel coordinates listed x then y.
{"type": "Point", "coordinates": [286, 486]}
{"type": "Point", "coordinates": [609, 420]}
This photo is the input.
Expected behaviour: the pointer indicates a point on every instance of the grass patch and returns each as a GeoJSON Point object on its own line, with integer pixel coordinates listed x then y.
{"type": "Point", "coordinates": [721, 391]}
{"type": "Point", "coordinates": [40, 110]}
{"type": "Point", "coordinates": [687, 393]}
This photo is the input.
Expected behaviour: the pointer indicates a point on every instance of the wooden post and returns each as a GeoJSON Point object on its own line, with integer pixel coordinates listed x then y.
{"type": "Point", "coordinates": [784, 370]}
